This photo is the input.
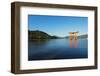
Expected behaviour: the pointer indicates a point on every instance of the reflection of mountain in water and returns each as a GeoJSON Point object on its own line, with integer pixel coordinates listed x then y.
{"type": "Point", "coordinates": [42, 35]}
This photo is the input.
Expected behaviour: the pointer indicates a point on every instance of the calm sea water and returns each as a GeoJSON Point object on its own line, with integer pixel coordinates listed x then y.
{"type": "Point", "coordinates": [57, 49]}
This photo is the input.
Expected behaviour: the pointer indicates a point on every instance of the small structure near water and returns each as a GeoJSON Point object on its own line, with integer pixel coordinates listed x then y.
{"type": "Point", "coordinates": [73, 35]}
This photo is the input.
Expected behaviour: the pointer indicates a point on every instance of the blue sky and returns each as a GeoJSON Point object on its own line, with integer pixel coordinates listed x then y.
{"type": "Point", "coordinates": [58, 25]}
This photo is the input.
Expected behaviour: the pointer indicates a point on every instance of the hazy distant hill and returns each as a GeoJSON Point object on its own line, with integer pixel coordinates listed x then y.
{"type": "Point", "coordinates": [81, 36]}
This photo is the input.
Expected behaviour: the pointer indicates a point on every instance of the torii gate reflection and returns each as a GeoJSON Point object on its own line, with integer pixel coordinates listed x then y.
{"type": "Point", "coordinates": [73, 36]}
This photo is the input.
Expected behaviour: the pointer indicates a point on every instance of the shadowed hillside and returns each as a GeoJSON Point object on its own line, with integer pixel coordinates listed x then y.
{"type": "Point", "coordinates": [39, 35]}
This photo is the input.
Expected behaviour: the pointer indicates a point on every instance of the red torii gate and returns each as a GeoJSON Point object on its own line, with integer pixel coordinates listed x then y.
{"type": "Point", "coordinates": [73, 35]}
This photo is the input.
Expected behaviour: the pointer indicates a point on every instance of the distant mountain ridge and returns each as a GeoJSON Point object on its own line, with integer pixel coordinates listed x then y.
{"type": "Point", "coordinates": [81, 36]}
{"type": "Point", "coordinates": [42, 35]}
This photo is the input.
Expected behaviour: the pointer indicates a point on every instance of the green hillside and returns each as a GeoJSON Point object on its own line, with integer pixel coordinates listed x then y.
{"type": "Point", "coordinates": [39, 35]}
